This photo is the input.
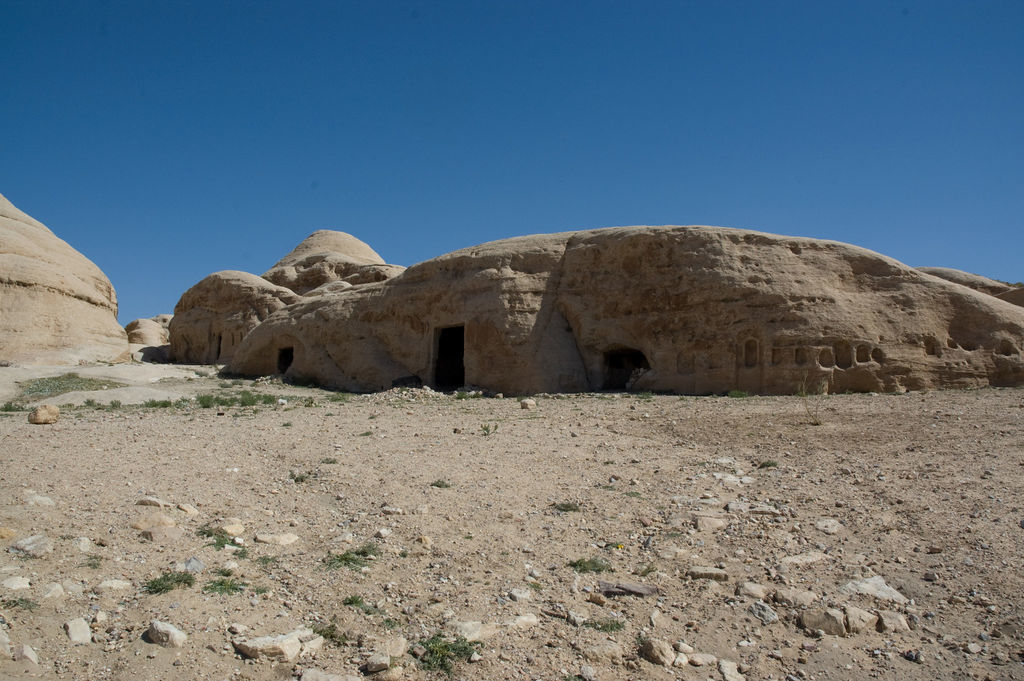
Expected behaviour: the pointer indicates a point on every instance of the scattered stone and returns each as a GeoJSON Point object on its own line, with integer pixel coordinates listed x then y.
{"type": "Point", "coordinates": [710, 523]}
{"type": "Point", "coordinates": [520, 595]}
{"type": "Point", "coordinates": [78, 631]}
{"type": "Point", "coordinates": [626, 589]}
{"type": "Point", "coordinates": [320, 675]}
{"type": "Point", "coordinates": [232, 526]}
{"type": "Point", "coordinates": [33, 499]}
{"type": "Point", "coordinates": [84, 544]}
{"type": "Point", "coordinates": [5, 644]}
{"type": "Point", "coordinates": [831, 621]}
{"type": "Point", "coordinates": [277, 539]}
{"type": "Point", "coordinates": [803, 559]}
{"type": "Point", "coordinates": [394, 647]}
{"type": "Point", "coordinates": [109, 585]}
{"type": "Point", "coordinates": [528, 403]}
{"type": "Point", "coordinates": [702, 659]}
{"type": "Point", "coordinates": [162, 535]}
{"type": "Point", "coordinates": [588, 673]}
{"type": "Point", "coordinates": [165, 634]}
{"type": "Point", "coordinates": [44, 414]}
{"type": "Point", "coordinates": [730, 671]}
{"type": "Point", "coordinates": [829, 526]}
{"type": "Point", "coordinates": [763, 612]}
{"type": "Point", "coordinates": [23, 651]}
{"type": "Point", "coordinates": [392, 510]}
{"type": "Point", "coordinates": [16, 583]}
{"type": "Point", "coordinates": [377, 662]}
{"type": "Point", "coordinates": [154, 519]}
{"type": "Point", "coordinates": [153, 501]}
{"type": "Point", "coordinates": [36, 546]}
{"type": "Point", "coordinates": [858, 620]}
{"type": "Point", "coordinates": [474, 631]}
{"type": "Point", "coordinates": [283, 647]}
{"type": "Point", "coordinates": [194, 565]}
{"type": "Point", "coordinates": [704, 572]}
{"type": "Point", "coordinates": [189, 510]}
{"type": "Point", "coordinates": [683, 647]}
{"type": "Point", "coordinates": [383, 533]}
{"type": "Point", "coordinates": [795, 597]}
{"type": "Point", "coordinates": [681, 660]}
{"type": "Point", "coordinates": [753, 590]}
{"type": "Point", "coordinates": [7, 533]}
{"type": "Point", "coordinates": [892, 622]}
{"type": "Point", "coordinates": [605, 651]}
{"type": "Point", "coordinates": [658, 652]}
{"type": "Point", "coordinates": [876, 587]}
{"type": "Point", "coordinates": [53, 590]}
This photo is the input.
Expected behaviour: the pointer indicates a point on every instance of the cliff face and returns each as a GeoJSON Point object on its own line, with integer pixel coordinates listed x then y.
{"type": "Point", "coordinates": [684, 309]}
{"type": "Point", "coordinates": [56, 306]}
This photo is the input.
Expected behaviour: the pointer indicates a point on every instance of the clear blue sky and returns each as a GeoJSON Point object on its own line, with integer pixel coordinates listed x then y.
{"type": "Point", "coordinates": [167, 140]}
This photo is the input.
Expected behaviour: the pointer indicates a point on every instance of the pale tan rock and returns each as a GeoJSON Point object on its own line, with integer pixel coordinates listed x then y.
{"type": "Point", "coordinates": [166, 634]}
{"type": "Point", "coordinates": [549, 313]}
{"type": "Point", "coordinates": [56, 306]}
{"type": "Point", "coordinates": [858, 620]}
{"type": "Point", "coordinates": [283, 647]}
{"type": "Point", "coordinates": [705, 572]}
{"type": "Point", "coordinates": [325, 257]}
{"type": "Point", "coordinates": [891, 622]}
{"type": "Point", "coordinates": [657, 652]}
{"type": "Point", "coordinates": [277, 539]}
{"type": "Point", "coordinates": [213, 317]}
{"type": "Point", "coordinates": [44, 414]}
{"type": "Point", "coordinates": [604, 651]}
{"type": "Point", "coordinates": [152, 520]}
{"type": "Point", "coordinates": [795, 597]}
{"type": "Point", "coordinates": [147, 332]}
{"type": "Point", "coordinates": [977, 282]}
{"type": "Point", "coordinates": [830, 620]}
{"type": "Point", "coordinates": [24, 651]}
{"type": "Point", "coordinates": [753, 590]}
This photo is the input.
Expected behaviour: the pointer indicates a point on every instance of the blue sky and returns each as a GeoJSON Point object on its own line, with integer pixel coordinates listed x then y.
{"type": "Point", "coordinates": [168, 140]}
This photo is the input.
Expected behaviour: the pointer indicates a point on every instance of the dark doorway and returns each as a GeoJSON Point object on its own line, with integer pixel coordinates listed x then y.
{"type": "Point", "coordinates": [620, 365]}
{"type": "Point", "coordinates": [285, 356]}
{"type": "Point", "coordinates": [449, 367]}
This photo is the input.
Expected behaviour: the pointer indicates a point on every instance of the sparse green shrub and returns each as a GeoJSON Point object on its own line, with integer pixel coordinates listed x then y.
{"type": "Point", "coordinates": [443, 653]}
{"type": "Point", "coordinates": [169, 581]}
{"type": "Point", "coordinates": [487, 429]}
{"type": "Point", "coordinates": [158, 404]}
{"type": "Point", "coordinates": [354, 559]}
{"type": "Point", "coordinates": [441, 484]}
{"type": "Point", "coordinates": [41, 388]}
{"type": "Point", "coordinates": [737, 393]}
{"type": "Point", "coordinates": [20, 602]}
{"type": "Point", "coordinates": [590, 565]}
{"type": "Point", "coordinates": [206, 401]}
{"type": "Point", "coordinates": [767, 464]}
{"type": "Point", "coordinates": [218, 535]}
{"type": "Point", "coordinates": [606, 625]}
{"type": "Point", "coordinates": [329, 460]}
{"type": "Point", "coordinates": [330, 633]}
{"type": "Point", "coordinates": [566, 506]}
{"type": "Point", "coordinates": [225, 586]}
{"type": "Point", "coordinates": [11, 406]}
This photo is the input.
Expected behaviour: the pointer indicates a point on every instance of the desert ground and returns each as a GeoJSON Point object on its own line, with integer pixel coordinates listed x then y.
{"type": "Point", "coordinates": [319, 535]}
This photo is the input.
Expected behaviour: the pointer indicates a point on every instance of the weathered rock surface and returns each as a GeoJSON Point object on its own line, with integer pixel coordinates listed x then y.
{"type": "Point", "coordinates": [1014, 296]}
{"type": "Point", "coordinates": [165, 634]}
{"type": "Point", "coordinates": [56, 306]}
{"type": "Point", "coordinates": [44, 414]}
{"type": "Point", "coordinates": [213, 317]}
{"type": "Point", "coordinates": [993, 287]}
{"type": "Point", "coordinates": [328, 256]}
{"type": "Point", "coordinates": [707, 310]}
{"type": "Point", "coordinates": [149, 339]}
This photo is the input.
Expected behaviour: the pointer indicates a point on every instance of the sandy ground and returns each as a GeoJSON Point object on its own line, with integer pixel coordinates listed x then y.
{"type": "Point", "coordinates": [458, 497]}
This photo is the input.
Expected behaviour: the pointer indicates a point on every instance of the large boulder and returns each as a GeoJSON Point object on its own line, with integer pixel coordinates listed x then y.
{"type": "Point", "coordinates": [328, 256]}
{"type": "Point", "coordinates": [686, 309]}
{"type": "Point", "coordinates": [56, 306]}
{"type": "Point", "coordinates": [1014, 295]}
{"type": "Point", "coordinates": [149, 339]}
{"type": "Point", "coordinates": [975, 281]}
{"type": "Point", "coordinates": [213, 317]}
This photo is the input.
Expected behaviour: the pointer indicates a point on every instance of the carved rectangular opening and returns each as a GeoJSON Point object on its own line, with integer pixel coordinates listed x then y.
{"type": "Point", "coordinates": [450, 360]}
{"type": "Point", "coordinates": [285, 357]}
{"type": "Point", "coordinates": [622, 366]}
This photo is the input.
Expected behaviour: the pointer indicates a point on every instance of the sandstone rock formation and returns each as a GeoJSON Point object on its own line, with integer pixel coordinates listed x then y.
{"type": "Point", "coordinates": [328, 256]}
{"type": "Point", "coordinates": [149, 339]}
{"type": "Point", "coordinates": [685, 309]}
{"type": "Point", "coordinates": [212, 317]}
{"type": "Point", "coordinates": [56, 306]}
{"type": "Point", "coordinates": [1014, 295]}
{"type": "Point", "coordinates": [975, 281]}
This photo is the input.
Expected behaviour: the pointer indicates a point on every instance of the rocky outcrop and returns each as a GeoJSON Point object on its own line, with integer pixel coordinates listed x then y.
{"type": "Point", "coordinates": [1014, 295]}
{"type": "Point", "coordinates": [977, 282]}
{"type": "Point", "coordinates": [685, 309]}
{"type": "Point", "coordinates": [328, 256]}
{"type": "Point", "coordinates": [56, 306]}
{"type": "Point", "coordinates": [149, 339]}
{"type": "Point", "coordinates": [213, 317]}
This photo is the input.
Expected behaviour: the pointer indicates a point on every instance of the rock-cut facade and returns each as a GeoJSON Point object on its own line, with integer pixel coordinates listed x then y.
{"type": "Point", "coordinates": [684, 309]}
